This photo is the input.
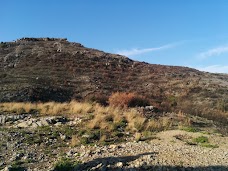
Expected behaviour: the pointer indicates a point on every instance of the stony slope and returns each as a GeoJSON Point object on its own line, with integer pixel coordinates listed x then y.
{"type": "Point", "coordinates": [49, 69]}
{"type": "Point", "coordinates": [38, 146]}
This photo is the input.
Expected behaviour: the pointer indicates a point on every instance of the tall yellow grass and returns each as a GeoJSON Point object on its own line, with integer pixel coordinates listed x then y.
{"type": "Point", "coordinates": [102, 117]}
{"type": "Point", "coordinates": [49, 108]}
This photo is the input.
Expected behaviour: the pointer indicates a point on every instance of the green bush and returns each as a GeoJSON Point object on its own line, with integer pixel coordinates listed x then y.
{"type": "Point", "coordinates": [204, 142]}
{"type": "Point", "coordinates": [89, 136]}
{"type": "Point", "coordinates": [16, 166]}
{"type": "Point", "coordinates": [120, 125]}
{"type": "Point", "coordinates": [209, 145]}
{"type": "Point", "coordinates": [190, 129]}
{"type": "Point", "coordinates": [201, 139]}
{"type": "Point", "coordinates": [65, 164]}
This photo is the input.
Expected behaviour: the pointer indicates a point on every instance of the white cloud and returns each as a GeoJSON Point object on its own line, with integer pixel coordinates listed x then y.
{"type": "Point", "coordinates": [215, 68]}
{"type": "Point", "coordinates": [214, 52]}
{"type": "Point", "coordinates": [133, 52]}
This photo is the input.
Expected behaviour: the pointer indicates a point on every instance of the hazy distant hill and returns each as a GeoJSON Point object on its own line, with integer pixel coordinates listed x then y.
{"type": "Point", "coordinates": [50, 69]}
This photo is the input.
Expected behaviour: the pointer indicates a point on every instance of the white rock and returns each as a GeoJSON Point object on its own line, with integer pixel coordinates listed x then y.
{"type": "Point", "coordinates": [58, 124]}
{"type": "Point", "coordinates": [62, 136]}
{"type": "Point", "coordinates": [23, 125]}
{"type": "Point", "coordinates": [119, 164]}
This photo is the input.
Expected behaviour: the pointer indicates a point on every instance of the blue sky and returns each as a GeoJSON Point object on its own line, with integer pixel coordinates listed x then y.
{"type": "Point", "coordinates": [191, 33]}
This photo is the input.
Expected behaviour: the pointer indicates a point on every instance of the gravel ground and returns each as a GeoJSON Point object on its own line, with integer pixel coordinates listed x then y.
{"type": "Point", "coordinates": [165, 152]}
{"type": "Point", "coordinates": [24, 145]}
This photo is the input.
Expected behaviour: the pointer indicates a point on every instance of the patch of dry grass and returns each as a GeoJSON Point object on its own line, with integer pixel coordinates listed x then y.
{"type": "Point", "coordinates": [49, 108]}
{"type": "Point", "coordinates": [75, 141]}
{"type": "Point", "coordinates": [17, 107]}
{"type": "Point", "coordinates": [163, 123]}
{"type": "Point", "coordinates": [107, 118]}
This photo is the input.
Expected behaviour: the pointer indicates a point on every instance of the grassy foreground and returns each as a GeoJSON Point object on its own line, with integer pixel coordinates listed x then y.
{"type": "Point", "coordinates": [99, 122]}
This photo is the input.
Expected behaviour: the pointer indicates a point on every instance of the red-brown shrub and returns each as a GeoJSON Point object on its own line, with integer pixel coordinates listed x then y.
{"type": "Point", "coordinates": [123, 99]}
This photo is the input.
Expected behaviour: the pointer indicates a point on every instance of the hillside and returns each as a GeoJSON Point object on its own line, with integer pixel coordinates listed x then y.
{"type": "Point", "coordinates": [58, 111]}
{"type": "Point", "coordinates": [50, 69]}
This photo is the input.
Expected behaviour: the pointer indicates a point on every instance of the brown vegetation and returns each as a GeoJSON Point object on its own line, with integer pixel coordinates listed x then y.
{"type": "Point", "coordinates": [123, 100]}
{"type": "Point", "coordinates": [34, 70]}
{"type": "Point", "coordinates": [72, 108]}
{"type": "Point", "coordinates": [110, 121]}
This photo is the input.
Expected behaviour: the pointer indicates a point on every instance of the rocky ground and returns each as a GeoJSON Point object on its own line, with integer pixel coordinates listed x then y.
{"type": "Point", "coordinates": [33, 143]}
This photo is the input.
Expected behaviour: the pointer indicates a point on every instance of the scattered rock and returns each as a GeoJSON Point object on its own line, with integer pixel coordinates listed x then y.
{"type": "Point", "coordinates": [119, 164]}
{"type": "Point", "coordinates": [41, 149]}
{"type": "Point", "coordinates": [23, 125]}
{"type": "Point", "coordinates": [62, 136]}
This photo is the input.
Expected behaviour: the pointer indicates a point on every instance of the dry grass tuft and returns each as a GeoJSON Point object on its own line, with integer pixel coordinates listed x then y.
{"type": "Point", "coordinates": [138, 136]}
{"type": "Point", "coordinates": [75, 141]}
{"type": "Point", "coordinates": [49, 108]}
{"type": "Point", "coordinates": [17, 107]}
{"type": "Point", "coordinates": [160, 124]}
